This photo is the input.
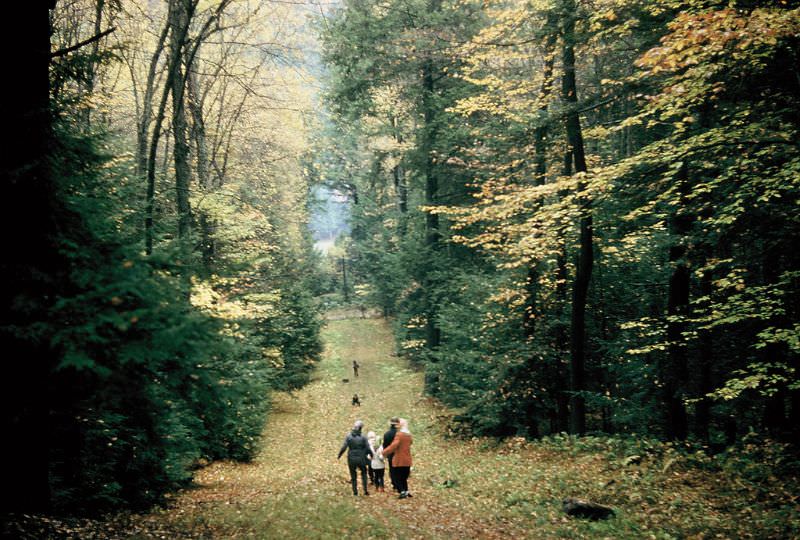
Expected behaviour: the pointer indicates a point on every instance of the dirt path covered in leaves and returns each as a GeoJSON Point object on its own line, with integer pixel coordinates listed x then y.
{"type": "Point", "coordinates": [297, 489]}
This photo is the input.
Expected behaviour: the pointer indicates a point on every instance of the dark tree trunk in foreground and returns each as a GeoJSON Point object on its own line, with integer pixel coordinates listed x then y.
{"type": "Point", "coordinates": [583, 267]}
{"type": "Point", "coordinates": [30, 264]}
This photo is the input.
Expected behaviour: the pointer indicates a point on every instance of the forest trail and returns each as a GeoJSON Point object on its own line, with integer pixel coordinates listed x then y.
{"type": "Point", "coordinates": [463, 488]}
{"type": "Point", "coordinates": [296, 488]}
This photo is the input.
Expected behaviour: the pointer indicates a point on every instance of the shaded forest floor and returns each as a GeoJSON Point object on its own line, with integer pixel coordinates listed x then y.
{"type": "Point", "coordinates": [474, 488]}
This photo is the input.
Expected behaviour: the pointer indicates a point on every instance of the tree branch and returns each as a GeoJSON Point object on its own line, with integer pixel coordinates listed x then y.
{"type": "Point", "coordinates": [66, 51]}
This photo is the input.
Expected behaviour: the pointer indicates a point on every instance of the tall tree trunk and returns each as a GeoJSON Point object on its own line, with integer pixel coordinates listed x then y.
{"type": "Point", "coordinates": [207, 223]}
{"type": "Point", "coordinates": [674, 373]}
{"type": "Point", "coordinates": [29, 263]}
{"type": "Point", "coordinates": [561, 338]}
{"type": "Point", "coordinates": [184, 12]}
{"type": "Point", "coordinates": [432, 233]}
{"type": "Point", "coordinates": [345, 288]}
{"type": "Point", "coordinates": [146, 118]}
{"type": "Point", "coordinates": [400, 185]}
{"type": "Point", "coordinates": [775, 418]}
{"type": "Point", "coordinates": [529, 316]}
{"type": "Point", "coordinates": [702, 411]}
{"type": "Point", "coordinates": [540, 178]}
{"type": "Point", "coordinates": [583, 267]}
{"type": "Point", "coordinates": [430, 110]}
{"type": "Point", "coordinates": [92, 69]}
{"type": "Point", "coordinates": [179, 18]}
{"type": "Point", "coordinates": [173, 71]}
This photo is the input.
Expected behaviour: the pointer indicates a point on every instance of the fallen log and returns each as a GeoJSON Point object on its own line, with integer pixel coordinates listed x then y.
{"type": "Point", "coordinates": [586, 509]}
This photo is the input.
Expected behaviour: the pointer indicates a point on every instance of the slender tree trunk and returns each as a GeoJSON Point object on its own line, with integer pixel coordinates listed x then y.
{"type": "Point", "coordinates": [400, 185]}
{"type": "Point", "coordinates": [675, 373]}
{"type": "Point", "coordinates": [702, 416]}
{"type": "Point", "coordinates": [184, 12]}
{"type": "Point", "coordinates": [529, 316]}
{"type": "Point", "coordinates": [775, 418]}
{"type": "Point", "coordinates": [540, 178]}
{"type": "Point", "coordinates": [430, 109]}
{"type": "Point", "coordinates": [561, 334]}
{"type": "Point", "coordinates": [583, 267]}
{"type": "Point", "coordinates": [345, 289]}
{"type": "Point", "coordinates": [207, 223]}
{"type": "Point", "coordinates": [179, 18]}
{"type": "Point", "coordinates": [432, 233]}
{"type": "Point", "coordinates": [198, 130]}
{"type": "Point", "coordinates": [92, 72]}
{"type": "Point", "coordinates": [173, 71]}
{"type": "Point", "coordinates": [146, 119]}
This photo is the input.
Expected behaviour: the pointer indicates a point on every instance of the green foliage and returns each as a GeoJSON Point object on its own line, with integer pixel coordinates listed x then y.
{"type": "Point", "coordinates": [294, 332]}
{"type": "Point", "coordinates": [151, 379]}
{"type": "Point", "coordinates": [146, 384]}
{"type": "Point", "coordinates": [690, 131]}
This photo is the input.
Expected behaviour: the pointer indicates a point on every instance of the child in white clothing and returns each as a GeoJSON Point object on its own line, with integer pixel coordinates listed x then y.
{"type": "Point", "coordinates": [378, 467]}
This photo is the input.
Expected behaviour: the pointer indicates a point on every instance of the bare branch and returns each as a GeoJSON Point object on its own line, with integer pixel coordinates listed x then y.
{"type": "Point", "coordinates": [85, 42]}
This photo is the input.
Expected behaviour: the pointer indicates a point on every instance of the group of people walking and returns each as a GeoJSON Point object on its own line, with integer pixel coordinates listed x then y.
{"type": "Point", "coordinates": [392, 451]}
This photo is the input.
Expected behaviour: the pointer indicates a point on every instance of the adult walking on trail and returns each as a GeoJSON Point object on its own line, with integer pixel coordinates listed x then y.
{"type": "Point", "coordinates": [388, 437]}
{"type": "Point", "coordinates": [355, 368]}
{"type": "Point", "coordinates": [358, 451]}
{"type": "Point", "coordinates": [400, 452]}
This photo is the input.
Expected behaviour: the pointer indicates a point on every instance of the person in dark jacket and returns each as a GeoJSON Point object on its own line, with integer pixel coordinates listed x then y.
{"type": "Point", "coordinates": [388, 437]}
{"type": "Point", "coordinates": [358, 452]}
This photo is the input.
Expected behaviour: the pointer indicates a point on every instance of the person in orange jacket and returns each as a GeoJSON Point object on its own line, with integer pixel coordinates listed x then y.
{"type": "Point", "coordinates": [400, 452]}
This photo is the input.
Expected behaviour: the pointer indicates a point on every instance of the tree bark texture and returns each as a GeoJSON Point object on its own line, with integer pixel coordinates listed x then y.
{"type": "Point", "coordinates": [146, 118]}
{"type": "Point", "coordinates": [207, 223]}
{"type": "Point", "coordinates": [179, 18]}
{"type": "Point", "coordinates": [173, 71]}
{"type": "Point", "coordinates": [585, 260]}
